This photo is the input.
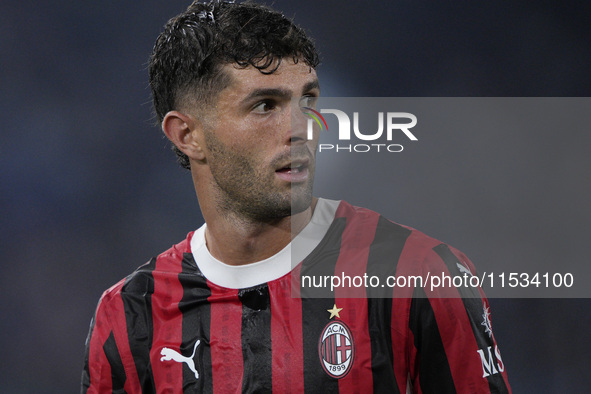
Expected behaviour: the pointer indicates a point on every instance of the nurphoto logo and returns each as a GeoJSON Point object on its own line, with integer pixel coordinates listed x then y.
{"type": "Point", "coordinates": [390, 124]}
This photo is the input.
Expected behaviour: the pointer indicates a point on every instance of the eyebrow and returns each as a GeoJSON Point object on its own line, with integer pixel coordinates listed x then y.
{"type": "Point", "coordinates": [312, 85]}
{"type": "Point", "coordinates": [278, 92]}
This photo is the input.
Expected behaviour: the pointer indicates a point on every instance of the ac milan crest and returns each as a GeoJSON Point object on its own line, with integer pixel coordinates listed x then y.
{"type": "Point", "coordinates": [336, 349]}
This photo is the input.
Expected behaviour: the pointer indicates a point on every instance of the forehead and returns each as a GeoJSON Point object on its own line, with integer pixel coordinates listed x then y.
{"type": "Point", "coordinates": [289, 76]}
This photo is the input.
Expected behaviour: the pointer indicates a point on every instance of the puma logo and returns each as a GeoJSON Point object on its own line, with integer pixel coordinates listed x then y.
{"type": "Point", "coordinates": [463, 269]}
{"type": "Point", "coordinates": [169, 354]}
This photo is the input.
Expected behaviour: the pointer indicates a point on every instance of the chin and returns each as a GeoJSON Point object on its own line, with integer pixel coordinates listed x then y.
{"type": "Point", "coordinates": [301, 201]}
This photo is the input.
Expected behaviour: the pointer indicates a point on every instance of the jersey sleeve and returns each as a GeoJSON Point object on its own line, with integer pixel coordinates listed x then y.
{"type": "Point", "coordinates": [453, 348]}
{"type": "Point", "coordinates": [104, 370]}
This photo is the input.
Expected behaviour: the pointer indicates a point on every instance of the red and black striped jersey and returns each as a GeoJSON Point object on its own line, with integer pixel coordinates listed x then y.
{"type": "Point", "coordinates": [168, 328]}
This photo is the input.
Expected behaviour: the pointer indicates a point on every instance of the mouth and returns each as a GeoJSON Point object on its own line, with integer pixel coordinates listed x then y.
{"type": "Point", "coordinates": [294, 171]}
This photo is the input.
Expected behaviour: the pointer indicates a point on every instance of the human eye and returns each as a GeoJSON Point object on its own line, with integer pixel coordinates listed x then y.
{"type": "Point", "coordinates": [264, 107]}
{"type": "Point", "coordinates": [308, 101]}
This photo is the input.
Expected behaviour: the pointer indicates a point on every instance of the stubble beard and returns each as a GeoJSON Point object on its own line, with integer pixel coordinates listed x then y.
{"type": "Point", "coordinates": [243, 192]}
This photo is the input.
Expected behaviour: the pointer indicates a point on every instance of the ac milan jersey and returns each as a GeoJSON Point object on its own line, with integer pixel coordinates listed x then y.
{"type": "Point", "coordinates": [172, 327]}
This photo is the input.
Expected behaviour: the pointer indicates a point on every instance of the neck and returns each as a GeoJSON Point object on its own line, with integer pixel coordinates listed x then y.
{"type": "Point", "coordinates": [237, 241]}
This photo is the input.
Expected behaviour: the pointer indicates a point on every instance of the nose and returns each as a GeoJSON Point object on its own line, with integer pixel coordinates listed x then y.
{"type": "Point", "coordinates": [301, 129]}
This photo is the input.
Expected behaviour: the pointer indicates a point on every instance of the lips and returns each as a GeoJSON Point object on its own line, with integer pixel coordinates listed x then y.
{"type": "Point", "coordinates": [293, 168]}
{"type": "Point", "coordinates": [295, 171]}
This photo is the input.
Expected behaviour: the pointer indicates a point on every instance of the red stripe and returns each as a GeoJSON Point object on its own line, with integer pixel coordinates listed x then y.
{"type": "Point", "coordinates": [333, 349]}
{"type": "Point", "coordinates": [225, 342]}
{"type": "Point", "coordinates": [295, 279]}
{"type": "Point", "coordinates": [286, 338]}
{"type": "Point", "coordinates": [356, 240]}
{"type": "Point", "coordinates": [167, 321]}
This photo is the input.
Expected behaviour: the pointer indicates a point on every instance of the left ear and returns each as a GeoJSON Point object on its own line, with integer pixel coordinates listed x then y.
{"type": "Point", "coordinates": [184, 131]}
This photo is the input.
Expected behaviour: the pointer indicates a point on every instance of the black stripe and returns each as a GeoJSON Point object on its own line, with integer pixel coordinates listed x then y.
{"type": "Point", "coordinates": [321, 262]}
{"type": "Point", "coordinates": [256, 340]}
{"type": "Point", "coordinates": [314, 319]}
{"type": "Point", "coordinates": [86, 371]}
{"type": "Point", "coordinates": [315, 302]}
{"type": "Point", "coordinates": [451, 261]}
{"type": "Point", "coordinates": [196, 312]}
{"type": "Point", "coordinates": [475, 310]}
{"type": "Point", "coordinates": [118, 377]}
{"type": "Point", "coordinates": [136, 295]}
{"type": "Point", "coordinates": [384, 254]}
{"type": "Point", "coordinates": [434, 372]}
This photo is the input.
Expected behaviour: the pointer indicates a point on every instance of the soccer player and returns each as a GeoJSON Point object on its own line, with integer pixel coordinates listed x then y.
{"type": "Point", "coordinates": [224, 310]}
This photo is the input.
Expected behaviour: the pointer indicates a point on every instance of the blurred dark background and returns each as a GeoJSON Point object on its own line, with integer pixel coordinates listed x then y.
{"type": "Point", "coordinates": [90, 190]}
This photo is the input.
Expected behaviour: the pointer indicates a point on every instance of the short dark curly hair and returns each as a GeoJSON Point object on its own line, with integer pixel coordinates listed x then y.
{"type": "Point", "coordinates": [189, 54]}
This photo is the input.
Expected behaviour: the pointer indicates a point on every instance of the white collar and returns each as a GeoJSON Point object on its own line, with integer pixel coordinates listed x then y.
{"type": "Point", "coordinates": [274, 267]}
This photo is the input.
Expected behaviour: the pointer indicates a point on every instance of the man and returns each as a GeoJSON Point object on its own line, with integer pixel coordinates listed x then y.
{"type": "Point", "coordinates": [224, 310]}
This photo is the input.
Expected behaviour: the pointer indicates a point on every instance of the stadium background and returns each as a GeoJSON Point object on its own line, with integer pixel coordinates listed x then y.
{"type": "Point", "coordinates": [89, 189]}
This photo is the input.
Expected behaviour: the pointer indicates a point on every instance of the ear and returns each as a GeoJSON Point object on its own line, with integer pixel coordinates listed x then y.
{"type": "Point", "coordinates": [184, 132]}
